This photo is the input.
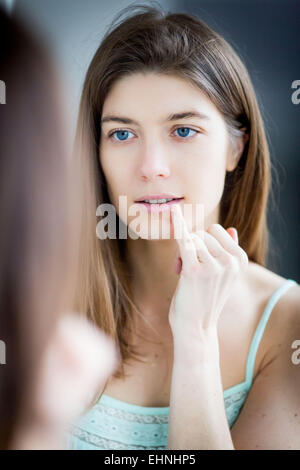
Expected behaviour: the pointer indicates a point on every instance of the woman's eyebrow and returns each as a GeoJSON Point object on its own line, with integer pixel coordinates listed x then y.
{"type": "Point", "coordinates": [171, 117]}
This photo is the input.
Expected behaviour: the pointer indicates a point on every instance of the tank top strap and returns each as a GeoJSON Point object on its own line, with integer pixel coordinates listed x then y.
{"type": "Point", "coordinates": [261, 327]}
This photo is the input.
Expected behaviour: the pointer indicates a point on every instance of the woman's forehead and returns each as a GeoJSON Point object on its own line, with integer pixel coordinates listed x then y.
{"type": "Point", "coordinates": [144, 83]}
{"type": "Point", "coordinates": [164, 97]}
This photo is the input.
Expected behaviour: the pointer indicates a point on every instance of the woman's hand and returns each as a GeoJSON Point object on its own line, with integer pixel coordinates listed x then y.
{"type": "Point", "coordinates": [76, 364]}
{"type": "Point", "coordinates": [210, 262]}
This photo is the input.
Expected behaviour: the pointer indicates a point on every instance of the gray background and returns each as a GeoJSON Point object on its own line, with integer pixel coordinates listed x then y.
{"type": "Point", "coordinates": [265, 33]}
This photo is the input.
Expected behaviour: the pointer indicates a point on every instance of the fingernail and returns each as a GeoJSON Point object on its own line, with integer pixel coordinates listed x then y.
{"type": "Point", "coordinates": [233, 233]}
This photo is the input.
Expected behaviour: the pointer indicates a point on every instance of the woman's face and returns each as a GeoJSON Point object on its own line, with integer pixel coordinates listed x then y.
{"type": "Point", "coordinates": [152, 152]}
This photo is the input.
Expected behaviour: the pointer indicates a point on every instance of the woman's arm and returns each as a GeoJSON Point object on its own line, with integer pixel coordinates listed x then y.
{"type": "Point", "coordinates": [197, 412]}
{"type": "Point", "coordinates": [211, 262]}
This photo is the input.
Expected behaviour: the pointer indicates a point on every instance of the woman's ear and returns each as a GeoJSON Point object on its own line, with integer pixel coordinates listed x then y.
{"type": "Point", "coordinates": [236, 151]}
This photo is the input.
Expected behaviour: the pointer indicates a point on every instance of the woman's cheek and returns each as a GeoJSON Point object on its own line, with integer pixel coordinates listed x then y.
{"type": "Point", "coordinates": [204, 192]}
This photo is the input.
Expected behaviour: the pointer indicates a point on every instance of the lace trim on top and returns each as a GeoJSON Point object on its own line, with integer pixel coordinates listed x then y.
{"type": "Point", "coordinates": [108, 427]}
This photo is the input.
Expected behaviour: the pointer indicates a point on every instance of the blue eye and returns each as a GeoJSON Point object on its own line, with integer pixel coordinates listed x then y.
{"type": "Point", "coordinates": [122, 135]}
{"type": "Point", "coordinates": [185, 131]}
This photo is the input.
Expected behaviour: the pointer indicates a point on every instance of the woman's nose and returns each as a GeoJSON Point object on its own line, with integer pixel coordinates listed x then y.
{"type": "Point", "coordinates": [154, 164]}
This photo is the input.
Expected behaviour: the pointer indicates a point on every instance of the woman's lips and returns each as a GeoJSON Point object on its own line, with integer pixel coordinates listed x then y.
{"type": "Point", "coordinates": [160, 207]}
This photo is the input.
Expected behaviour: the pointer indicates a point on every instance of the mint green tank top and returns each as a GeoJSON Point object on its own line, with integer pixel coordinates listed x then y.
{"type": "Point", "coordinates": [114, 424]}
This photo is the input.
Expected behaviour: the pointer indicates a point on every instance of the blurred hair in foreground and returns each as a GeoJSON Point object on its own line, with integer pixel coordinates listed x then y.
{"type": "Point", "coordinates": [37, 215]}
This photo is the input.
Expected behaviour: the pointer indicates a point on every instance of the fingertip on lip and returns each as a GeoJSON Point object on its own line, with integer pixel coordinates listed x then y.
{"type": "Point", "coordinates": [174, 210]}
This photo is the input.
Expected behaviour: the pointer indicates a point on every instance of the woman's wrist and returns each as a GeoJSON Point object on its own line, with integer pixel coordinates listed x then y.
{"type": "Point", "coordinates": [194, 345]}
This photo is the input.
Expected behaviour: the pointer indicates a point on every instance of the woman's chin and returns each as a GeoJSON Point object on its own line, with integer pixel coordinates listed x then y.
{"type": "Point", "coordinates": [155, 232]}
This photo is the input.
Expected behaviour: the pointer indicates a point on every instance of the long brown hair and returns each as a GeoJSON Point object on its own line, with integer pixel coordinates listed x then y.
{"type": "Point", "coordinates": [36, 247]}
{"type": "Point", "coordinates": [141, 39]}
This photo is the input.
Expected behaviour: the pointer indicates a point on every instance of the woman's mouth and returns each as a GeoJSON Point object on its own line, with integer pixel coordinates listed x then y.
{"type": "Point", "coordinates": [159, 205]}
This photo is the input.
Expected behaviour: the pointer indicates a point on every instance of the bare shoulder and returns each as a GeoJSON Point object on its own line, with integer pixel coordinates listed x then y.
{"type": "Point", "coordinates": [269, 418]}
{"type": "Point", "coordinates": [284, 321]}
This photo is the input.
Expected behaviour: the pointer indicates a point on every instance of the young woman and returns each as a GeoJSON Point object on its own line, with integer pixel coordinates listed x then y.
{"type": "Point", "coordinates": [168, 111]}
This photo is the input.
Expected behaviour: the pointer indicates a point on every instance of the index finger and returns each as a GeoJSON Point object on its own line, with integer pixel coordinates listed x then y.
{"type": "Point", "coordinates": [182, 235]}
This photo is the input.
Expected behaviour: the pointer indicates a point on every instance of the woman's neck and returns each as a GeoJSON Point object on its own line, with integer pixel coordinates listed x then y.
{"type": "Point", "coordinates": [152, 268]}
{"type": "Point", "coordinates": [151, 263]}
